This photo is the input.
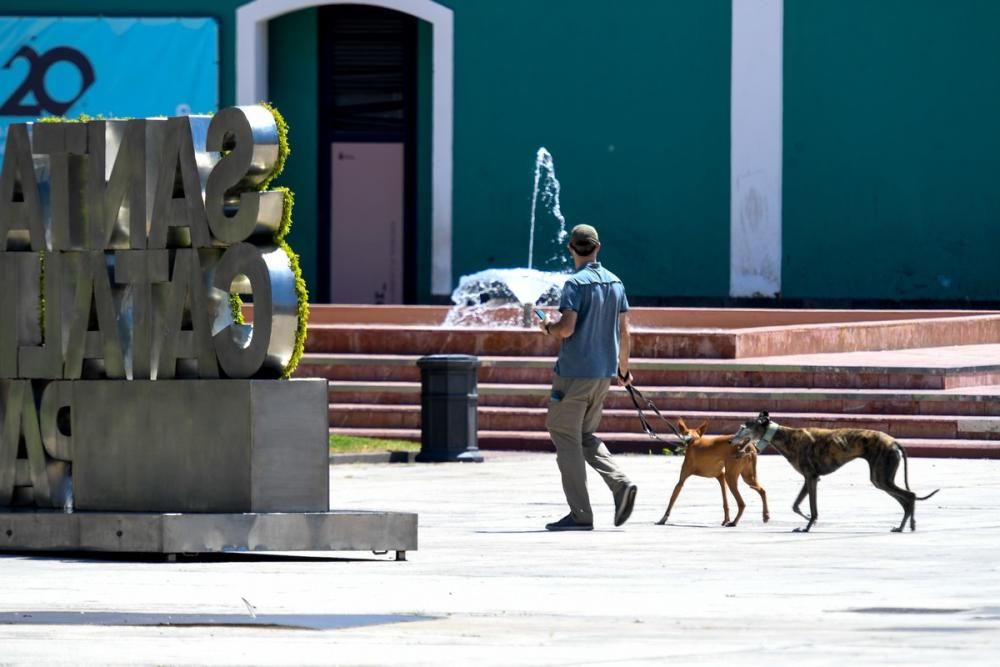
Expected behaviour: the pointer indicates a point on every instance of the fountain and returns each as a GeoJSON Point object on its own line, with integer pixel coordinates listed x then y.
{"type": "Point", "coordinates": [505, 297]}
{"type": "Point", "coordinates": [549, 192]}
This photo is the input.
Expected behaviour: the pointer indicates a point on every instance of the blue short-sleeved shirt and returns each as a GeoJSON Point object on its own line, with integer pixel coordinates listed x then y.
{"type": "Point", "coordinates": [598, 297]}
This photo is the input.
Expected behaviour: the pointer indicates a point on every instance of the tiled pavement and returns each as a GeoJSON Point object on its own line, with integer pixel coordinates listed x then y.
{"type": "Point", "coordinates": [488, 586]}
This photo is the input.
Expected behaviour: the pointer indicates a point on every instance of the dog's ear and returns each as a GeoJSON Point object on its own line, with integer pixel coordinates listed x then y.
{"type": "Point", "coordinates": [702, 428]}
{"type": "Point", "coordinates": [681, 425]}
{"type": "Point", "coordinates": [763, 417]}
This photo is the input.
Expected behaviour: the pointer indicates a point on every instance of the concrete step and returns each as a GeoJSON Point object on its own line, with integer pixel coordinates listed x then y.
{"type": "Point", "coordinates": [347, 415]}
{"type": "Point", "coordinates": [981, 401]}
{"type": "Point", "coordinates": [482, 341]}
{"type": "Point", "coordinates": [674, 372]}
{"type": "Point", "coordinates": [364, 339]}
{"type": "Point", "coordinates": [677, 337]}
{"type": "Point", "coordinates": [931, 378]}
{"type": "Point", "coordinates": [633, 443]}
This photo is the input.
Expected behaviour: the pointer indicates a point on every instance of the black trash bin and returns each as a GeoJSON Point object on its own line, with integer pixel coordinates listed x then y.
{"type": "Point", "coordinates": [449, 397]}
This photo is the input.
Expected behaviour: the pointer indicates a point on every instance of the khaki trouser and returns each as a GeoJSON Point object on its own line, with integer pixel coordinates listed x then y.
{"type": "Point", "coordinates": [575, 408]}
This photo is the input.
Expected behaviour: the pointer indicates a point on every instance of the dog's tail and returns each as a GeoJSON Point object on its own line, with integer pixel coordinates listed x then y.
{"type": "Point", "coordinates": [906, 473]}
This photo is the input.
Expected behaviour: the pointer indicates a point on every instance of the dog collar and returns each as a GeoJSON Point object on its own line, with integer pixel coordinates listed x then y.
{"type": "Point", "coordinates": [765, 439]}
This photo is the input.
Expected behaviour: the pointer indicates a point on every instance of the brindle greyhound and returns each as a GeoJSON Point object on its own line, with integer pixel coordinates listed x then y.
{"type": "Point", "coordinates": [819, 451]}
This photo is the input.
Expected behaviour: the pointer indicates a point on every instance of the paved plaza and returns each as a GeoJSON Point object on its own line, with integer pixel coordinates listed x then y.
{"type": "Point", "coordinates": [488, 586]}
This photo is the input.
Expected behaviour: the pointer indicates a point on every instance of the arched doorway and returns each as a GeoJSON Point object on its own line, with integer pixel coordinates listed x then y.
{"type": "Point", "coordinates": [252, 86]}
{"type": "Point", "coordinates": [367, 133]}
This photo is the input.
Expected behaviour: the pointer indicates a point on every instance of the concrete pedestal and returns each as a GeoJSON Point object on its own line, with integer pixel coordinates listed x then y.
{"type": "Point", "coordinates": [200, 446]}
{"type": "Point", "coordinates": [184, 466]}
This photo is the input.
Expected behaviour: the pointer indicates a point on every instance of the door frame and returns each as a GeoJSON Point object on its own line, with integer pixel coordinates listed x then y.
{"type": "Point", "coordinates": [252, 87]}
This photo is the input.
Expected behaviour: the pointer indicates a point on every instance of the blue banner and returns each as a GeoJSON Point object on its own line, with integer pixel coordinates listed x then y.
{"type": "Point", "coordinates": [106, 67]}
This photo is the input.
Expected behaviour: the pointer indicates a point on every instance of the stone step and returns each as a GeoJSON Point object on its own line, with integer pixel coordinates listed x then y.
{"type": "Point", "coordinates": [673, 372]}
{"type": "Point", "coordinates": [682, 335]}
{"type": "Point", "coordinates": [633, 443]}
{"type": "Point", "coordinates": [985, 401]}
{"type": "Point", "coordinates": [347, 415]}
{"type": "Point", "coordinates": [925, 377]}
{"type": "Point", "coordinates": [385, 339]}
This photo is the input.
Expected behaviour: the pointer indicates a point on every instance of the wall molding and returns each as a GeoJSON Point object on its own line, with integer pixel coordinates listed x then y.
{"type": "Point", "coordinates": [756, 135]}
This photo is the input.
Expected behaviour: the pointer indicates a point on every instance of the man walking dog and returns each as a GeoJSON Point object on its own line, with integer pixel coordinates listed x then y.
{"type": "Point", "coordinates": [595, 346]}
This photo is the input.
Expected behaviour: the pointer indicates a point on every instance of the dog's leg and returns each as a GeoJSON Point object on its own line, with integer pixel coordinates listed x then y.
{"type": "Point", "coordinates": [883, 475]}
{"type": "Point", "coordinates": [810, 487]}
{"type": "Point", "coordinates": [750, 477]}
{"type": "Point", "coordinates": [725, 501]}
{"type": "Point", "coordinates": [798, 500]}
{"type": "Point", "coordinates": [673, 497]}
{"type": "Point", "coordinates": [906, 480]}
{"type": "Point", "coordinates": [733, 480]}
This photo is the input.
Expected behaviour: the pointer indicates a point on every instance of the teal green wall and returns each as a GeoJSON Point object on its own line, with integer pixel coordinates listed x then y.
{"type": "Point", "coordinates": [891, 149]}
{"type": "Point", "coordinates": [891, 141]}
{"type": "Point", "coordinates": [634, 108]}
{"type": "Point", "coordinates": [631, 99]}
{"type": "Point", "coordinates": [292, 87]}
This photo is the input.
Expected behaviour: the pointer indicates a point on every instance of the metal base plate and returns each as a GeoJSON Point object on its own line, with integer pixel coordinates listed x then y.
{"type": "Point", "coordinates": [205, 533]}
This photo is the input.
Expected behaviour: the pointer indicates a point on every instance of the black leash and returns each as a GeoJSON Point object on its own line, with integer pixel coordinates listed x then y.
{"type": "Point", "coordinates": [637, 400]}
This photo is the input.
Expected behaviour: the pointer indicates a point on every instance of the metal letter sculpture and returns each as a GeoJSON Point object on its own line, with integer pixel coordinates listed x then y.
{"type": "Point", "coordinates": [138, 410]}
{"type": "Point", "coordinates": [120, 244]}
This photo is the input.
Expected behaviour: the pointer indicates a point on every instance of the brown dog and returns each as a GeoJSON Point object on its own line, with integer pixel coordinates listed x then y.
{"type": "Point", "coordinates": [715, 456]}
{"type": "Point", "coordinates": [819, 451]}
